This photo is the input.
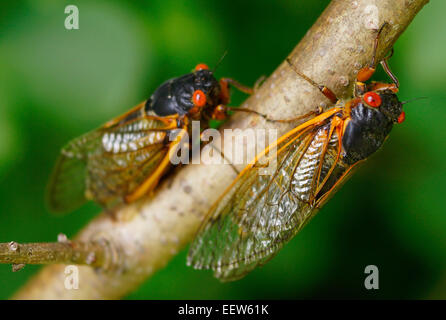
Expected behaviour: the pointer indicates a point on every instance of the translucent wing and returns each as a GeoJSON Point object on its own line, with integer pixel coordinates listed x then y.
{"type": "Point", "coordinates": [66, 188]}
{"type": "Point", "coordinates": [110, 163]}
{"type": "Point", "coordinates": [259, 213]}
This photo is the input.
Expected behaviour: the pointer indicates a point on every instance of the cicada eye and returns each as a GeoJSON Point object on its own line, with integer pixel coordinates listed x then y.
{"type": "Point", "coordinates": [201, 66]}
{"type": "Point", "coordinates": [199, 98]}
{"type": "Point", "coordinates": [401, 117]}
{"type": "Point", "coordinates": [372, 99]}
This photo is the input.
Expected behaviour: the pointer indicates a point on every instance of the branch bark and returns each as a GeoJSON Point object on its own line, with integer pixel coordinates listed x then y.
{"type": "Point", "coordinates": [331, 53]}
{"type": "Point", "coordinates": [68, 252]}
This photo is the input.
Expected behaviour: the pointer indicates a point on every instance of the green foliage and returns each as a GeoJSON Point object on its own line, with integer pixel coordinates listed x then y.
{"type": "Point", "coordinates": [57, 84]}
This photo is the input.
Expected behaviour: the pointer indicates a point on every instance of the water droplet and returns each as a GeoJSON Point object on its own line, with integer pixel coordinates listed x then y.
{"type": "Point", "coordinates": [61, 237]}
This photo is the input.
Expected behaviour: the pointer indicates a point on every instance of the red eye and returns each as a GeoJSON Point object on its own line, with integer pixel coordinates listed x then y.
{"type": "Point", "coordinates": [402, 117]}
{"type": "Point", "coordinates": [372, 99]}
{"type": "Point", "coordinates": [199, 98]}
{"type": "Point", "coordinates": [201, 66]}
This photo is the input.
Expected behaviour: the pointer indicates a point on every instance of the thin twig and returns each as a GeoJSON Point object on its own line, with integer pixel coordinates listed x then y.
{"type": "Point", "coordinates": [67, 252]}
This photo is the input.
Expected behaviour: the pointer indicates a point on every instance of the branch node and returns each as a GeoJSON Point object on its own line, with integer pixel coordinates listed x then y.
{"type": "Point", "coordinates": [113, 257]}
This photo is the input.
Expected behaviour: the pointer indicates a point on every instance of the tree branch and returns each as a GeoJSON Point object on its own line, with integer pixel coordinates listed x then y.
{"type": "Point", "coordinates": [88, 253]}
{"type": "Point", "coordinates": [331, 53]}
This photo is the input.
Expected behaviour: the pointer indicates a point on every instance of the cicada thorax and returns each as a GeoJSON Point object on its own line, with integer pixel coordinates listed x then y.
{"type": "Point", "coordinates": [370, 120]}
{"type": "Point", "coordinates": [189, 95]}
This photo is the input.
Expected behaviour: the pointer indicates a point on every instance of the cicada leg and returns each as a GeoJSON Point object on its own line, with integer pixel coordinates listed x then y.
{"type": "Point", "coordinates": [241, 87]}
{"type": "Point", "coordinates": [259, 83]}
{"type": "Point", "coordinates": [224, 87]}
{"type": "Point", "coordinates": [389, 72]}
{"type": "Point", "coordinates": [222, 155]}
{"type": "Point", "coordinates": [376, 86]}
{"type": "Point", "coordinates": [367, 72]}
{"type": "Point", "coordinates": [221, 113]}
{"type": "Point", "coordinates": [328, 93]}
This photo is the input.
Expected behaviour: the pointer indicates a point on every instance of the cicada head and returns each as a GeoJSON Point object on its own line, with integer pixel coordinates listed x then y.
{"type": "Point", "coordinates": [387, 102]}
{"type": "Point", "coordinates": [391, 107]}
{"type": "Point", "coordinates": [371, 120]}
{"type": "Point", "coordinates": [186, 94]}
{"type": "Point", "coordinates": [204, 82]}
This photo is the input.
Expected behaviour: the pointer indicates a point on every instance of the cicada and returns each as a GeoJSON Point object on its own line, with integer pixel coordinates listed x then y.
{"type": "Point", "coordinates": [260, 213]}
{"type": "Point", "coordinates": [126, 157]}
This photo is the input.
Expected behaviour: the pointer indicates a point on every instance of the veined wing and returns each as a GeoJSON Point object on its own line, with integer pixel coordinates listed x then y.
{"type": "Point", "coordinates": [66, 187]}
{"type": "Point", "coordinates": [259, 213]}
{"type": "Point", "coordinates": [111, 162]}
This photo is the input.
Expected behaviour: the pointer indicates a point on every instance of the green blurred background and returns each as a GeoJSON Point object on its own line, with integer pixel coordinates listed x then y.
{"type": "Point", "coordinates": [57, 84]}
